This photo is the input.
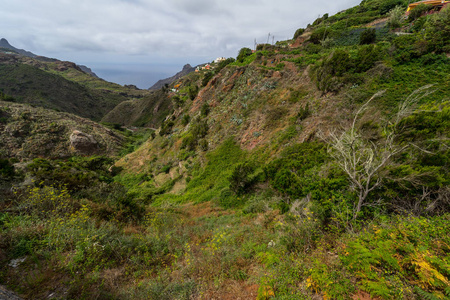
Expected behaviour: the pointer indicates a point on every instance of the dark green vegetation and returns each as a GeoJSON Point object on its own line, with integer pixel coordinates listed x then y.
{"type": "Point", "coordinates": [314, 171]}
{"type": "Point", "coordinates": [61, 86]}
{"type": "Point", "coordinates": [148, 111]}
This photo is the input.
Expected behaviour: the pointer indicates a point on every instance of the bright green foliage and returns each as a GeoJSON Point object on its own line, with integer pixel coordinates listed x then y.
{"type": "Point", "coordinates": [387, 6]}
{"type": "Point", "coordinates": [75, 173]}
{"type": "Point", "coordinates": [395, 17]}
{"type": "Point", "coordinates": [320, 34]}
{"type": "Point", "coordinates": [243, 53]}
{"type": "Point", "coordinates": [198, 131]}
{"type": "Point", "coordinates": [294, 173]}
{"type": "Point", "coordinates": [417, 11]}
{"type": "Point", "coordinates": [390, 258]}
{"type": "Point", "coordinates": [437, 31]}
{"type": "Point", "coordinates": [298, 33]}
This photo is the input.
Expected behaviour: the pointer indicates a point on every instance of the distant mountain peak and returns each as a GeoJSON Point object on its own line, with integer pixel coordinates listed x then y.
{"type": "Point", "coordinates": [186, 70]}
{"type": "Point", "coordinates": [187, 67]}
{"type": "Point", "coordinates": [5, 44]}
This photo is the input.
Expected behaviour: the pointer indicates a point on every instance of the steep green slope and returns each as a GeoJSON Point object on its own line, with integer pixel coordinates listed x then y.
{"type": "Point", "coordinates": [148, 111]}
{"type": "Point", "coordinates": [315, 168]}
{"type": "Point", "coordinates": [61, 86]}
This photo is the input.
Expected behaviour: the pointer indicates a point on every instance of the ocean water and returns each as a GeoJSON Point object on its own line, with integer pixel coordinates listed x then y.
{"type": "Point", "coordinates": [141, 75]}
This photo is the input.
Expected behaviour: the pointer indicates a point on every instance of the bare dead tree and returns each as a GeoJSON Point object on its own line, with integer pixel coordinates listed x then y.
{"type": "Point", "coordinates": [363, 161]}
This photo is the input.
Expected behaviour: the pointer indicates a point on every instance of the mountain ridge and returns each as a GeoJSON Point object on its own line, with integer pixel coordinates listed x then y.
{"type": "Point", "coordinates": [187, 68]}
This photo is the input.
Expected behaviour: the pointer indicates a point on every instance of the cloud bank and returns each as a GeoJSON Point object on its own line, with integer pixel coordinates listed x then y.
{"type": "Point", "coordinates": [153, 30]}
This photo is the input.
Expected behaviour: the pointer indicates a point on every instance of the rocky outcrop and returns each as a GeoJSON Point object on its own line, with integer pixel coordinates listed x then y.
{"type": "Point", "coordinates": [87, 70]}
{"type": "Point", "coordinates": [186, 70]}
{"type": "Point", "coordinates": [28, 132]}
{"type": "Point", "coordinates": [83, 143]}
{"type": "Point", "coordinates": [5, 44]}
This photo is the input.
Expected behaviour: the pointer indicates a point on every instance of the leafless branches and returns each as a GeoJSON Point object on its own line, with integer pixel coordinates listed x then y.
{"type": "Point", "coordinates": [364, 161]}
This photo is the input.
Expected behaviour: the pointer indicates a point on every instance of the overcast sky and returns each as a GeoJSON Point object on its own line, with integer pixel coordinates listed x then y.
{"type": "Point", "coordinates": [141, 41]}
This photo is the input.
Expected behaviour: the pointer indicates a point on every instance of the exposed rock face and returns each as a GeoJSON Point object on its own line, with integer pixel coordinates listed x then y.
{"type": "Point", "coordinates": [87, 70]}
{"type": "Point", "coordinates": [4, 44]}
{"type": "Point", "coordinates": [28, 132]}
{"type": "Point", "coordinates": [186, 70]}
{"type": "Point", "coordinates": [82, 142]}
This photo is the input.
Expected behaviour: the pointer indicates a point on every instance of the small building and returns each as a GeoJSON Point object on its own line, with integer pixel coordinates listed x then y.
{"type": "Point", "coordinates": [206, 67]}
{"type": "Point", "coordinates": [219, 59]}
{"type": "Point", "coordinates": [437, 4]}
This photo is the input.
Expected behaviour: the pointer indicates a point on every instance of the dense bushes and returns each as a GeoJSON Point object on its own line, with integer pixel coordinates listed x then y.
{"type": "Point", "coordinates": [417, 11]}
{"type": "Point", "coordinates": [298, 33]}
{"type": "Point", "coordinates": [75, 173]}
{"type": "Point", "coordinates": [6, 168]}
{"type": "Point", "coordinates": [242, 178]}
{"type": "Point", "coordinates": [243, 53]}
{"type": "Point", "coordinates": [319, 35]}
{"type": "Point", "coordinates": [395, 17]}
{"type": "Point", "coordinates": [437, 31]}
{"type": "Point", "coordinates": [197, 132]}
{"type": "Point", "coordinates": [368, 36]}
{"type": "Point", "coordinates": [337, 69]}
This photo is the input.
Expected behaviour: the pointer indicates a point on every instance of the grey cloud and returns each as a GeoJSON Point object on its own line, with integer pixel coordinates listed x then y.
{"type": "Point", "coordinates": [166, 29]}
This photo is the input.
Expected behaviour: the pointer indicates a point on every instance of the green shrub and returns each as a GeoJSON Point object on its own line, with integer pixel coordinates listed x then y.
{"type": "Point", "coordinates": [437, 31]}
{"type": "Point", "coordinates": [5, 97]}
{"type": "Point", "coordinates": [395, 17]}
{"type": "Point", "coordinates": [286, 173]}
{"type": "Point", "coordinates": [197, 132]}
{"type": "Point", "coordinates": [320, 34]}
{"type": "Point", "coordinates": [388, 5]}
{"type": "Point", "coordinates": [76, 173]}
{"type": "Point", "coordinates": [243, 53]}
{"type": "Point", "coordinates": [6, 168]}
{"type": "Point", "coordinates": [298, 33]}
{"type": "Point", "coordinates": [417, 11]}
{"type": "Point", "coordinates": [224, 63]}
{"type": "Point", "coordinates": [166, 127]}
{"type": "Point", "coordinates": [242, 179]}
{"type": "Point", "coordinates": [366, 58]}
{"type": "Point", "coordinates": [192, 92]}
{"type": "Point", "coordinates": [177, 101]}
{"type": "Point", "coordinates": [368, 36]}
{"type": "Point", "coordinates": [205, 109]}
{"type": "Point", "coordinates": [304, 112]}
{"type": "Point", "coordinates": [207, 77]}
{"type": "Point", "coordinates": [326, 73]}
{"type": "Point", "coordinates": [186, 119]}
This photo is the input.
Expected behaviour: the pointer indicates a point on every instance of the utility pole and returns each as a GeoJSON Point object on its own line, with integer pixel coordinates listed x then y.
{"type": "Point", "coordinates": [273, 38]}
{"type": "Point", "coordinates": [268, 37]}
